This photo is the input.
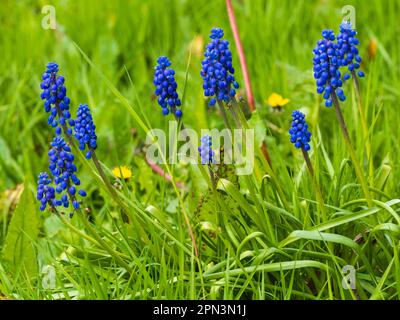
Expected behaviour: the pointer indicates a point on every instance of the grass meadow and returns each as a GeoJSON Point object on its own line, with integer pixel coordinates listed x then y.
{"type": "Point", "coordinates": [277, 233]}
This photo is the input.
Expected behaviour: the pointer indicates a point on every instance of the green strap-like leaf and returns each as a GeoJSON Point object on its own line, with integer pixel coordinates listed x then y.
{"type": "Point", "coordinates": [19, 252]}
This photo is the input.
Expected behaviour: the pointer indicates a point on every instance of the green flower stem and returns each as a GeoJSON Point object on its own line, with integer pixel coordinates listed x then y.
{"type": "Point", "coordinates": [212, 177]}
{"type": "Point", "coordinates": [224, 115]}
{"type": "Point", "coordinates": [73, 228]}
{"type": "Point", "coordinates": [366, 138]}
{"type": "Point", "coordinates": [308, 162]}
{"type": "Point", "coordinates": [317, 189]}
{"type": "Point", "coordinates": [219, 203]}
{"type": "Point", "coordinates": [239, 124]}
{"type": "Point", "coordinates": [351, 150]}
{"type": "Point", "coordinates": [103, 175]}
{"type": "Point", "coordinates": [181, 126]}
{"type": "Point", "coordinates": [108, 185]}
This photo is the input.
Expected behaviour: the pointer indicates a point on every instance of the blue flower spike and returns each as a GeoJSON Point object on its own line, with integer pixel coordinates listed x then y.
{"type": "Point", "coordinates": [63, 169]}
{"type": "Point", "coordinates": [327, 61]}
{"type": "Point", "coordinates": [45, 192]}
{"type": "Point", "coordinates": [56, 102]}
{"type": "Point", "coordinates": [207, 154]}
{"type": "Point", "coordinates": [217, 71]}
{"type": "Point", "coordinates": [85, 130]}
{"type": "Point", "coordinates": [348, 42]}
{"type": "Point", "coordinates": [299, 134]}
{"type": "Point", "coordinates": [164, 81]}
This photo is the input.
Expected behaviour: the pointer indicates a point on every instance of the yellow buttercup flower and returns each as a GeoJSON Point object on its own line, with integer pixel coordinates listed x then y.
{"type": "Point", "coordinates": [372, 48]}
{"type": "Point", "coordinates": [197, 46]}
{"type": "Point", "coordinates": [122, 172]}
{"type": "Point", "coordinates": [277, 101]}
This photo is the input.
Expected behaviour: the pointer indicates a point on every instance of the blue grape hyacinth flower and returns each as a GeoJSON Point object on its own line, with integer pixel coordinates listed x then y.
{"type": "Point", "coordinates": [207, 154]}
{"type": "Point", "coordinates": [327, 61]}
{"type": "Point", "coordinates": [85, 130]}
{"type": "Point", "coordinates": [56, 102]}
{"type": "Point", "coordinates": [217, 71]}
{"type": "Point", "coordinates": [45, 192]}
{"type": "Point", "coordinates": [348, 42]}
{"type": "Point", "coordinates": [299, 134]}
{"type": "Point", "coordinates": [63, 169]}
{"type": "Point", "coordinates": [164, 81]}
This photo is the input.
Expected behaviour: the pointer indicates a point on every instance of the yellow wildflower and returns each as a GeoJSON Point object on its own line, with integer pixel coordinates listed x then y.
{"type": "Point", "coordinates": [372, 48]}
{"type": "Point", "coordinates": [277, 101]}
{"type": "Point", "coordinates": [122, 172]}
{"type": "Point", "coordinates": [197, 46]}
{"type": "Point", "coordinates": [111, 20]}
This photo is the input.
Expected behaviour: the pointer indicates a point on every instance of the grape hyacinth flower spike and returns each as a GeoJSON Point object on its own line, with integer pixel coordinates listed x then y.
{"type": "Point", "coordinates": [329, 56]}
{"type": "Point", "coordinates": [351, 59]}
{"type": "Point", "coordinates": [164, 81]}
{"type": "Point", "coordinates": [348, 42]}
{"type": "Point", "coordinates": [56, 102]}
{"type": "Point", "coordinates": [217, 71]}
{"type": "Point", "coordinates": [85, 130]}
{"type": "Point", "coordinates": [63, 169]}
{"type": "Point", "coordinates": [327, 61]}
{"type": "Point", "coordinates": [299, 134]}
{"type": "Point", "coordinates": [45, 192]}
{"type": "Point", "coordinates": [300, 137]}
{"type": "Point", "coordinates": [207, 154]}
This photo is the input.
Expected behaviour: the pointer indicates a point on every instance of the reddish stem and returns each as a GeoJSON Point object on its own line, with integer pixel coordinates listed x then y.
{"type": "Point", "coordinates": [162, 173]}
{"type": "Point", "coordinates": [243, 64]}
{"type": "Point", "coordinates": [242, 57]}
